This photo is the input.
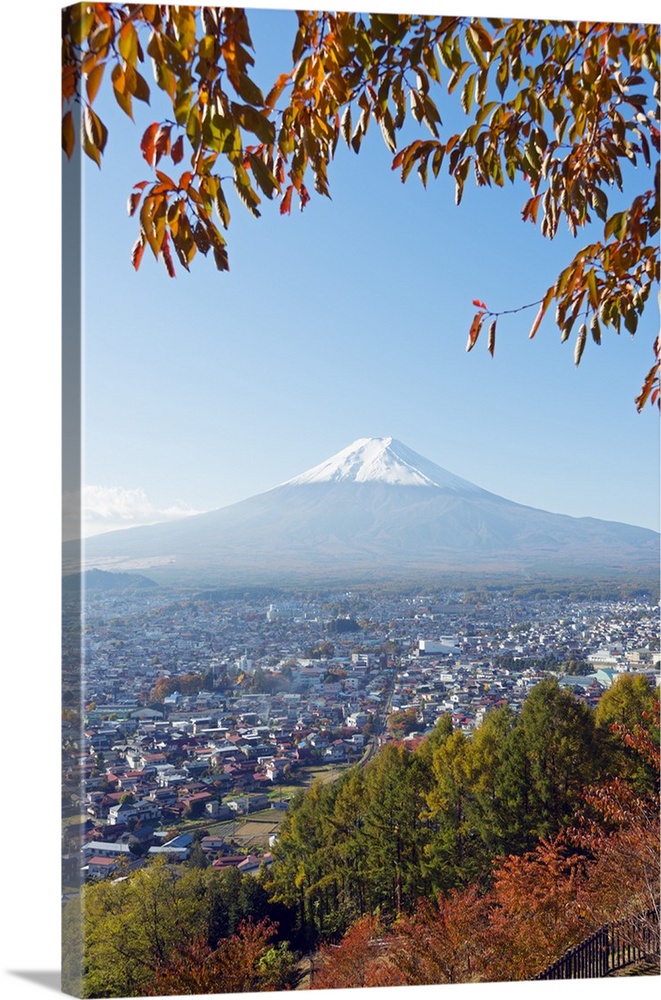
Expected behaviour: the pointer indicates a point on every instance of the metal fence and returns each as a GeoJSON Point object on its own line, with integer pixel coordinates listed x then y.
{"type": "Point", "coordinates": [612, 947]}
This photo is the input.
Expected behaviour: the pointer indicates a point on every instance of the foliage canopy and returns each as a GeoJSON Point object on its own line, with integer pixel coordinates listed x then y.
{"type": "Point", "coordinates": [566, 107]}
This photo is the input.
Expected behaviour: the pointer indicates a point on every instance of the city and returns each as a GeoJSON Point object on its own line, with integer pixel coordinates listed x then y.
{"type": "Point", "coordinates": [202, 709]}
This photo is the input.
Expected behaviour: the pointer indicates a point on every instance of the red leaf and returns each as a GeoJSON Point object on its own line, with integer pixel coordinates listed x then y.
{"type": "Point", "coordinates": [178, 150]}
{"type": "Point", "coordinates": [134, 201]}
{"type": "Point", "coordinates": [147, 145]}
{"type": "Point", "coordinates": [285, 204]}
{"type": "Point", "coordinates": [167, 256]}
{"type": "Point", "coordinates": [137, 252]}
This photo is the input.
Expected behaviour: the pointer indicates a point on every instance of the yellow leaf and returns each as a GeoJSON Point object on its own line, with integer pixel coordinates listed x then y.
{"type": "Point", "coordinates": [93, 81]}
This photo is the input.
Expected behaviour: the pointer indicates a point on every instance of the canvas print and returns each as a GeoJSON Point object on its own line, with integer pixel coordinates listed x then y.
{"type": "Point", "coordinates": [361, 455]}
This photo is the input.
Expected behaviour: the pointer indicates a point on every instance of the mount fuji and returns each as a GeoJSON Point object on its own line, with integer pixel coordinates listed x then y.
{"type": "Point", "coordinates": [374, 511]}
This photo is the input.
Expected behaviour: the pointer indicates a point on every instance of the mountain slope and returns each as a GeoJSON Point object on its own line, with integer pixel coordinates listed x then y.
{"type": "Point", "coordinates": [376, 509]}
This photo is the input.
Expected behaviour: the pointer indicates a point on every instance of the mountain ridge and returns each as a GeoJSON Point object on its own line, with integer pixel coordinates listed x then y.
{"type": "Point", "coordinates": [374, 507]}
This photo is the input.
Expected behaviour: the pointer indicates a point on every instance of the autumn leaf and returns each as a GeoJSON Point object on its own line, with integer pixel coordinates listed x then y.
{"type": "Point", "coordinates": [68, 134]}
{"type": "Point", "coordinates": [147, 144]}
{"type": "Point", "coordinates": [348, 70]}
{"type": "Point", "coordinates": [491, 342]}
{"type": "Point", "coordinates": [474, 331]}
{"type": "Point", "coordinates": [177, 151]}
{"type": "Point", "coordinates": [137, 252]}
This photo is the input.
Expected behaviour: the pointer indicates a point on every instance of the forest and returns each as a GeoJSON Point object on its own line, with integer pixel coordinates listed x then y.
{"type": "Point", "coordinates": [452, 857]}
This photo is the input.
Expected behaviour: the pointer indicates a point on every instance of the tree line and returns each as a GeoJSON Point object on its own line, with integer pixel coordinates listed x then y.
{"type": "Point", "coordinates": [415, 823]}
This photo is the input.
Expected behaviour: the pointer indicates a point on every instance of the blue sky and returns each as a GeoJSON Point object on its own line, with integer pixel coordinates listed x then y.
{"type": "Point", "coordinates": [344, 321]}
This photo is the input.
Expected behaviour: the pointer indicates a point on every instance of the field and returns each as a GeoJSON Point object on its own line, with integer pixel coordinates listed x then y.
{"type": "Point", "coordinates": [256, 829]}
{"type": "Point", "coordinates": [252, 831]}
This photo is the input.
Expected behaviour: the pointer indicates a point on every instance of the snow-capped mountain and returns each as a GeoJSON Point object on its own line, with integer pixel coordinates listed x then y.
{"type": "Point", "coordinates": [384, 460]}
{"type": "Point", "coordinates": [374, 511]}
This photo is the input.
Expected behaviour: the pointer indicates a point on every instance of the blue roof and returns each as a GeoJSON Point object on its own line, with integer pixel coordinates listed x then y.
{"type": "Point", "coordinates": [183, 840]}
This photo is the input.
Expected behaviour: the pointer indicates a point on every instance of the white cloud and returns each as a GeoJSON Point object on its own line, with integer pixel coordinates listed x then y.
{"type": "Point", "coordinates": [109, 508]}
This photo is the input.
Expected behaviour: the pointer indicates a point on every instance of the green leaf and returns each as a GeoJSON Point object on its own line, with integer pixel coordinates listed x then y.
{"type": "Point", "coordinates": [592, 289]}
{"type": "Point", "coordinates": [182, 108]}
{"type": "Point", "coordinates": [263, 175]}
{"type": "Point", "coordinates": [467, 94]}
{"type": "Point", "coordinates": [460, 175]}
{"type": "Point", "coordinates": [616, 225]}
{"type": "Point", "coordinates": [165, 79]}
{"type": "Point", "coordinates": [245, 192]}
{"type": "Point", "coordinates": [100, 37]}
{"type": "Point", "coordinates": [249, 90]}
{"type": "Point", "coordinates": [437, 160]}
{"type": "Point", "coordinates": [431, 64]}
{"type": "Point", "coordinates": [503, 76]}
{"type": "Point", "coordinates": [207, 47]}
{"type": "Point", "coordinates": [473, 45]}
{"type": "Point", "coordinates": [81, 25]}
{"type": "Point", "coordinates": [128, 43]}
{"type": "Point", "coordinates": [253, 121]}
{"type": "Point", "coordinates": [364, 49]}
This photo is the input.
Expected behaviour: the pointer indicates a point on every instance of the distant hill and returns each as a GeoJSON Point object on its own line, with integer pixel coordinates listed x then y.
{"type": "Point", "coordinates": [376, 510]}
{"type": "Point", "coordinates": [100, 580]}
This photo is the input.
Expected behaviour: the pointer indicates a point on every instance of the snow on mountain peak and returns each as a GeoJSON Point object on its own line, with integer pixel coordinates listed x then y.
{"type": "Point", "coordinates": [383, 460]}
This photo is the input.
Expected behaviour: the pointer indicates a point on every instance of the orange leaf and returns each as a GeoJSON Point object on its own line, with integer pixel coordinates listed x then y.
{"type": "Point", "coordinates": [285, 204]}
{"type": "Point", "coordinates": [93, 81]}
{"type": "Point", "coordinates": [137, 252]}
{"type": "Point", "coordinates": [474, 331]}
